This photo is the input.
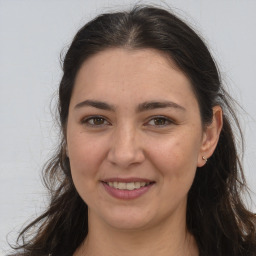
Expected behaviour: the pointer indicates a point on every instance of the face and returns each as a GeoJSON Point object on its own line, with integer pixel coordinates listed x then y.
{"type": "Point", "coordinates": [134, 138]}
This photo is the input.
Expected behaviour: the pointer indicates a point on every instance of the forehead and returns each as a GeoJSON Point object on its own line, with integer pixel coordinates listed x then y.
{"type": "Point", "coordinates": [142, 74]}
{"type": "Point", "coordinates": [137, 61]}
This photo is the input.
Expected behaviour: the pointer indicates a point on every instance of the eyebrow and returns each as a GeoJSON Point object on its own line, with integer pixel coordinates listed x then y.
{"type": "Point", "coordinates": [158, 104]}
{"type": "Point", "coordinates": [145, 106]}
{"type": "Point", "coordinates": [95, 104]}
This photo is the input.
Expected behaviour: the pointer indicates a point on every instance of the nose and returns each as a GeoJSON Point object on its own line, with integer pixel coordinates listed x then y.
{"type": "Point", "coordinates": [125, 149]}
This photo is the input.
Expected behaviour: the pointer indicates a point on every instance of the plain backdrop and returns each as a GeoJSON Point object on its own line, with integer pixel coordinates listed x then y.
{"type": "Point", "coordinates": [32, 36]}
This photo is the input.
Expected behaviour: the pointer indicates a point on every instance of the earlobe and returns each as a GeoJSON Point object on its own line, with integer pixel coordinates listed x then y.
{"type": "Point", "coordinates": [210, 136]}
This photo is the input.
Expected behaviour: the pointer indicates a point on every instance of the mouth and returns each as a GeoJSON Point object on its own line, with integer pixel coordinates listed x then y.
{"type": "Point", "coordinates": [128, 185]}
{"type": "Point", "coordinates": [127, 188]}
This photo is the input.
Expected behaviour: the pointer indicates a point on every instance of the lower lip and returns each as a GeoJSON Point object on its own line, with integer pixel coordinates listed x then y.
{"type": "Point", "coordinates": [127, 194]}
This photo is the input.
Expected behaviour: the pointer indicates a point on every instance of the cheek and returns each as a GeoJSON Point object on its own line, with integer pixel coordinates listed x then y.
{"type": "Point", "coordinates": [85, 151]}
{"type": "Point", "coordinates": [85, 156]}
{"type": "Point", "coordinates": [175, 157]}
{"type": "Point", "coordinates": [82, 157]}
{"type": "Point", "coordinates": [84, 163]}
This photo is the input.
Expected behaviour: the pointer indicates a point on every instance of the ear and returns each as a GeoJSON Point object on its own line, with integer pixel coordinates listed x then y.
{"type": "Point", "coordinates": [211, 136]}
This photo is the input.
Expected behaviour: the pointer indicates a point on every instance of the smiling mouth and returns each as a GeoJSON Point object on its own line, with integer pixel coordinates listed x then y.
{"type": "Point", "coordinates": [127, 188]}
{"type": "Point", "coordinates": [128, 185]}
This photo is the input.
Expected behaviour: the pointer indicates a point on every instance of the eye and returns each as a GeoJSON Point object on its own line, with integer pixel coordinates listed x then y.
{"type": "Point", "coordinates": [96, 121]}
{"type": "Point", "coordinates": [159, 121]}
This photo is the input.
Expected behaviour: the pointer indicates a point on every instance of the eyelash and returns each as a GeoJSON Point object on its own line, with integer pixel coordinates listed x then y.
{"type": "Point", "coordinates": [86, 121]}
{"type": "Point", "coordinates": [167, 121]}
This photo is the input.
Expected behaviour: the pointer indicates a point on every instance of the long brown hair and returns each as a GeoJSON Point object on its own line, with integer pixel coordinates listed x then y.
{"type": "Point", "coordinates": [216, 215]}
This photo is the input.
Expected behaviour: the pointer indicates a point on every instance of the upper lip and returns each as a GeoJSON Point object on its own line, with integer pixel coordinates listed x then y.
{"type": "Point", "coordinates": [127, 180]}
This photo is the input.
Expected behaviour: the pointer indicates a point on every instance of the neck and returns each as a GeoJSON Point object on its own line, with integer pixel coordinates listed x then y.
{"type": "Point", "coordinates": [167, 239]}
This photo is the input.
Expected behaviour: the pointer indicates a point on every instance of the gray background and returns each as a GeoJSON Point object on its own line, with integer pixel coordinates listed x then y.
{"type": "Point", "coordinates": [32, 35]}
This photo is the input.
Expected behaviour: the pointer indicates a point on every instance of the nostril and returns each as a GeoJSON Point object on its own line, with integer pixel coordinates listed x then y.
{"type": "Point", "coordinates": [125, 156]}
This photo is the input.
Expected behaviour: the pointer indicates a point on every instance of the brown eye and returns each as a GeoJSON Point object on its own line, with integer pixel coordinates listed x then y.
{"type": "Point", "coordinates": [159, 121]}
{"type": "Point", "coordinates": [95, 121]}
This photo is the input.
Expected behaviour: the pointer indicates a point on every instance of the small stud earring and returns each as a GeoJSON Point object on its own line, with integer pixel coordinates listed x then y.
{"type": "Point", "coordinates": [204, 158]}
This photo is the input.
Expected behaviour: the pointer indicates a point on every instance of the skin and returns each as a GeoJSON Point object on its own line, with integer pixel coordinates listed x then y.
{"type": "Point", "coordinates": [164, 145]}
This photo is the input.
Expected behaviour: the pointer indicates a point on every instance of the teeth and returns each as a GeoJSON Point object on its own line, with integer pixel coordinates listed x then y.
{"type": "Point", "coordinates": [130, 186]}
{"type": "Point", "coordinates": [127, 185]}
{"type": "Point", "coordinates": [137, 184]}
{"type": "Point", "coordinates": [122, 185]}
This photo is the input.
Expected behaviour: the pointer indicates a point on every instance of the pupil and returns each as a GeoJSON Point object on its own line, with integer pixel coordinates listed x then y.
{"type": "Point", "coordinates": [98, 121]}
{"type": "Point", "coordinates": [159, 121]}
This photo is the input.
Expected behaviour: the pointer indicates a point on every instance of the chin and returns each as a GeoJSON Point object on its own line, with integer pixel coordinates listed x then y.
{"type": "Point", "coordinates": [127, 219]}
{"type": "Point", "coordinates": [129, 224]}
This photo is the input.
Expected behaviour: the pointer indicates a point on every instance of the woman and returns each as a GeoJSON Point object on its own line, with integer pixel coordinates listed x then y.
{"type": "Point", "coordinates": [148, 163]}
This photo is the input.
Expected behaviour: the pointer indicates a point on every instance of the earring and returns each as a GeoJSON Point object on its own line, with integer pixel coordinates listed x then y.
{"type": "Point", "coordinates": [204, 158]}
